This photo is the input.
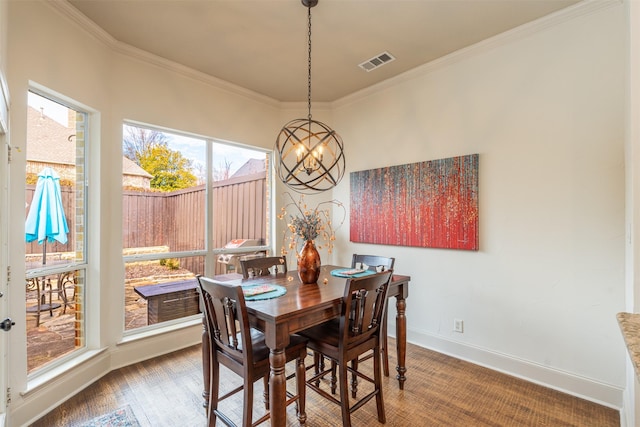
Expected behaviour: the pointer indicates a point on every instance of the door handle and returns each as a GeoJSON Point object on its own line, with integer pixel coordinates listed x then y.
{"type": "Point", "coordinates": [6, 324]}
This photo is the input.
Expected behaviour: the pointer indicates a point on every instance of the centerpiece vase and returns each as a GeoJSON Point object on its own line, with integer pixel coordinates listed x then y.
{"type": "Point", "coordinates": [309, 263]}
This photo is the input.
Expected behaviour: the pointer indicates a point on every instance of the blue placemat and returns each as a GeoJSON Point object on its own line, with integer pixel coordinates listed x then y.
{"type": "Point", "coordinates": [278, 291]}
{"type": "Point", "coordinates": [340, 273]}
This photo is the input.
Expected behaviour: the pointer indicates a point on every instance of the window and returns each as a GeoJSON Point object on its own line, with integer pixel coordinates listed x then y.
{"type": "Point", "coordinates": [184, 199]}
{"type": "Point", "coordinates": [55, 230]}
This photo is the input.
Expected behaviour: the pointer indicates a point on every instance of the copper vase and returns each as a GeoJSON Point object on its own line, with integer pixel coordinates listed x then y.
{"type": "Point", "coordinates": [309, 263]}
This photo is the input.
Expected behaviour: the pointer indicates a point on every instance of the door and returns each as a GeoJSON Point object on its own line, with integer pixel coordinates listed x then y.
{"type": "Point", "coordinates": [4, 260]}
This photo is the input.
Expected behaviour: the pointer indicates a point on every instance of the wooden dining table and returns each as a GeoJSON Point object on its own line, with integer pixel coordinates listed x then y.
{"type": "Point", "coordinates": [301, 307]}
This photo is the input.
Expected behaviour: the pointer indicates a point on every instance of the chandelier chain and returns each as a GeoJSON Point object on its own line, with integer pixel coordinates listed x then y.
{"type": "Point", "coordinates": [309, 65]}
{"type": "Point", "coordinates": [310, 153]}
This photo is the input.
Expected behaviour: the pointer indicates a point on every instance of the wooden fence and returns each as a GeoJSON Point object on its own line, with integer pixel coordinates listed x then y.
{"type": "Point", "coordinates": [177, 219]}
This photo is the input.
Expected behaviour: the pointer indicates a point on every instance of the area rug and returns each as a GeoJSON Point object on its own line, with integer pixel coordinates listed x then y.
{"type": "Point", "coordinates": [122, 417]}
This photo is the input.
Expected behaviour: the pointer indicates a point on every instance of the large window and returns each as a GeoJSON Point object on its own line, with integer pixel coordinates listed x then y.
{"type": "Point", "coordinates": [185, 199]}
{"type": "Point", "coordinates": [55, 230]}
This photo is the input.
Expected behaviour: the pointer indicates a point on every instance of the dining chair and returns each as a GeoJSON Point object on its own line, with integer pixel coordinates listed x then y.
{"type": "Point", "coordinates": [261, 266]}
{"type": "Point", "coordinates": [377, 263]}
{"type": "Point", "coordinates": [241, 348]}
{"type": "Point", "coordinates": [345, 339]}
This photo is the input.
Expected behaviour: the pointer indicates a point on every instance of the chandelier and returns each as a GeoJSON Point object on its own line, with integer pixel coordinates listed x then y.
{"type": "Point", "coordinates": [310, 153]}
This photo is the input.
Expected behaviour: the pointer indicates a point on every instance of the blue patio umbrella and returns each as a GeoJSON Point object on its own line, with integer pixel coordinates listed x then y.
{"type": "Point", "coordinates": [46, 220]}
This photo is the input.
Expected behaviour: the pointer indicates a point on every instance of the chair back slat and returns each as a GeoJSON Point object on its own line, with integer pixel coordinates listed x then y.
{"type": "Point", "coordinates": [364, 302]}
{"type": "Point", "coordinates": [372, 262]}
{"type": "Point", "coordinates": [260, 266]}
{"type": "Point", "coordinates": [226, 316]}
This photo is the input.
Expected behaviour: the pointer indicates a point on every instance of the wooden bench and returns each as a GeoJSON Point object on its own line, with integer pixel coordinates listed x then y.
{"type": "Point", "coordinates": [168, 301]}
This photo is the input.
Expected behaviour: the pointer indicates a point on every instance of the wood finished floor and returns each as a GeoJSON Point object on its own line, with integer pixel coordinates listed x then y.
{"type": "Point", "coordinates": [440, 391]}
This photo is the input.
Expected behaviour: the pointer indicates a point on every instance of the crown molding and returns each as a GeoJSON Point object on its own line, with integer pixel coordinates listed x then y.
{"type": "Point", "coordinates": [67, 10]}
{"type": "Point", "coordinates": [585, 7]}
{"type": "Point", "coordinates": [580, 9]}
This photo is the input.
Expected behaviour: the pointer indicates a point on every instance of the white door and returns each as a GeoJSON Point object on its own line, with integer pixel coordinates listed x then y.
{"type": "Point", "coordinates": [4, 259]}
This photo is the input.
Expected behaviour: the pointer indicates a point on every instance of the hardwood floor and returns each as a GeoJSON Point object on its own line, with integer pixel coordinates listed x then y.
{"type": "Point", "coordinates": [440, 391]}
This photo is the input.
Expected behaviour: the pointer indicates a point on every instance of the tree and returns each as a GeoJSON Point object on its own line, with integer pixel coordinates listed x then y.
{"type": "Point", "coordinates": [138, 140]}
{"type": "Point", "coordinates": [170, 169]}
{"type": "Point", "coordinates": [223, 171]}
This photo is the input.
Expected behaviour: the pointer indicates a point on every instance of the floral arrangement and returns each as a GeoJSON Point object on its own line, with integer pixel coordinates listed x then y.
{"type": "Point", "coordinates": [308, 224]}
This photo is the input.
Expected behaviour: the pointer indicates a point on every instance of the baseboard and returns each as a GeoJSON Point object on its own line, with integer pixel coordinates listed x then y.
{"type": "Point", "coordinates": [47, 396]}
{"type": "Point", "coordinates": [40, 400]}
{"type": "Point", "coordinates": [156, 342]}
{"type": "Point", "coordinates": [566, 382]}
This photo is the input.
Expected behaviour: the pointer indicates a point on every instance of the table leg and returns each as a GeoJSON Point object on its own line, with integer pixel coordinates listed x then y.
{"type": "Point", "coordinates": [277, 388]}
{"type": "Point", "coordinates": [401, 339]}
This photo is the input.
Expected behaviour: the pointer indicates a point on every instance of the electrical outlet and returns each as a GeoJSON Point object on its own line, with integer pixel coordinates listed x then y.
{"type": "Point", "coordinates": [458, 325]}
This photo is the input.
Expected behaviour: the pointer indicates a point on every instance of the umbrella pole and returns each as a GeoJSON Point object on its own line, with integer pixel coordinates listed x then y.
{"type": "Point", "coordinates": [44, 252]}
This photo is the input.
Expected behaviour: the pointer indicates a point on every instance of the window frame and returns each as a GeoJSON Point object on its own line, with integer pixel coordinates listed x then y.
{"type": "Point", "coordinates": [84, 267]}
{"type": "Point", "coordinates": [209, 252]}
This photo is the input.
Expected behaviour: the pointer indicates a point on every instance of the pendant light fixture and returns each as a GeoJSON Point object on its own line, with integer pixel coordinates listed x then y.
{"type": "Point", "coordinates": [310, 153]}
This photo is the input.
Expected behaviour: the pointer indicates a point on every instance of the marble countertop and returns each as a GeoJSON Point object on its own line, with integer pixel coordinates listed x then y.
{"type": "Point", "coordinates": [630, 327]}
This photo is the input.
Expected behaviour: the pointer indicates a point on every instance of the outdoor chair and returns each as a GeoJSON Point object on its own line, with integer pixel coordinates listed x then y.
{"type": "Point", "coordinates": [343, 340]}
{"type": "Point", "coordinates": [67, 285]}
{"type": "Point", "coordinates": [261, 266]}
{"type": "Point", "coordinates": [40, 289]}
{"type": "Point", "coordinates": [236, 345]}
{"type": "Point", "coordinates": [43, 288]}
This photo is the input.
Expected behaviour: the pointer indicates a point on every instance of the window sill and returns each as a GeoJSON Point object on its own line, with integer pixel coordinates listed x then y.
{"type": "Point", "coordinates": [152, 331]}
{"type": "Point", "coordinates": [49, 375]}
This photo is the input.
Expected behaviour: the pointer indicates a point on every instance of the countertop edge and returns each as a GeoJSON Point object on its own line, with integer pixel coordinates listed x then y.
{"type": "Point", "coordinates": [630, 326]}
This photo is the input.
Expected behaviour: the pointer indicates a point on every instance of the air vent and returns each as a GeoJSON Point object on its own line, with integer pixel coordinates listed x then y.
{"type": "Point", "coordinates": [377, 61]}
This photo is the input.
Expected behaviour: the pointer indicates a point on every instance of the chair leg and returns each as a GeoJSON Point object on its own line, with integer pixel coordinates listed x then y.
{"type": "Point", "coordinates": [265, 393]}
{"type": "Point", "coordinates": [46, 285]}
{"type": "Point", "coordinates": [344, 395]}
{"type": "Point", "coordinates": [247, 407]}
{"type": "Point", "coordinates": [354, 378]}
{"type": "Point", "coordinates": [44, 302]}
{"type": "Point", "coordinates": [384, 350]}
{"type": "Point", "coordinates": [318, 362]}
{"type": "Point", "coordinates": [301, 389]}
{"type": "Point", "coordinates": [214, 393]}
{"type": "Point", "coordinates": [332, 378]}
{"type": "Point", "coordinates": [39, 310]}
{"type": "Point", "coordinates": [377, 378]}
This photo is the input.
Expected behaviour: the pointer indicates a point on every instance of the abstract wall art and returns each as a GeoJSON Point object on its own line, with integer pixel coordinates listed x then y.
{"type": "Point", "coordinates": [432, 204]}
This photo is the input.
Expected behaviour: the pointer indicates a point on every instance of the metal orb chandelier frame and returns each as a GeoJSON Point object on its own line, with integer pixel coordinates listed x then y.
{"type": "Point", "coordinates": [310, 154]}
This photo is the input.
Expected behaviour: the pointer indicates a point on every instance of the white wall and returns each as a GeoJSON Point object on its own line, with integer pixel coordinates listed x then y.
{"type": "Point", "coordinates": [546, 112]}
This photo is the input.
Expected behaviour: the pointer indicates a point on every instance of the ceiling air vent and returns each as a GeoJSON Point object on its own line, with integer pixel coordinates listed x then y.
{"type": "Point", "coordinates": [377, 61]}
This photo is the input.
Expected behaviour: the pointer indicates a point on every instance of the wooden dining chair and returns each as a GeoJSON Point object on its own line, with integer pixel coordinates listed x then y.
{"type": "Point", "coordinates": [345, 339]}
{"type": "Point", "coordinates": [242, 349]}
{"type": "Point", "coordinates": [372, 262]}
{"type": "Point", "coordinates": [377, 263]}
{"type": "Point", "coordinates": [260, 266]}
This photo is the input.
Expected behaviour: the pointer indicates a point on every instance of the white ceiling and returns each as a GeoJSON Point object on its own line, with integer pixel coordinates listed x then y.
{"type": "Point", "coordinates": [261, 45]}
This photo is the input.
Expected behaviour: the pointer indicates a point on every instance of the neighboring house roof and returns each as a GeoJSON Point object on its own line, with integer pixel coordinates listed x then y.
{"type": "Point", "coordinates": [129, 167]}
{"type": "Point", "coordinates": [250, 167]}
{"type": "Point", "coordinates": [47, 143]}
{"type": "Point", "coordinates": [46, 140]}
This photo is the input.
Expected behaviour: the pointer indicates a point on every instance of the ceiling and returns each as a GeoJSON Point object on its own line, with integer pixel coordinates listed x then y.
{"type": "Point", "coordinates": [261, 45]}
